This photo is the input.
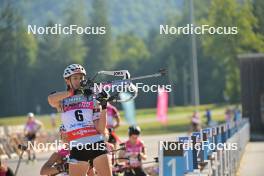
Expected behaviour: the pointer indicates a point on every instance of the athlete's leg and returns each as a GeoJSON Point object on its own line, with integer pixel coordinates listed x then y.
{"type": "Point", "coordinates": [80, 168]}
{"type": "Point", "coordinates": [90, 171]}
{"type": "Point", "coordinates": [28, 152]}
{"type": "Point", "coordinates": [33, 151]}
{"type": "Point", "coordinates": [102, 165]}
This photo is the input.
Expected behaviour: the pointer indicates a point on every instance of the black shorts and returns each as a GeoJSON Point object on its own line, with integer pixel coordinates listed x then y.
{"type": "Point", "coordinates": [88, 152]}
{"type": "Point", "coordinates": [135, 172]}
{"type": "Point", "coordinates": [31, 136]}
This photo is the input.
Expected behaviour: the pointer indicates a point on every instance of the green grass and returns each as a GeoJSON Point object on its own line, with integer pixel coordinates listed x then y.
{"type": "Point", "coordinates": [178, 120]}
{"type": "Point", "coordinates": [173, 126]}
{"type": "Point", "coordinates": [19, 120]}
{"type": "Point", "coordinates": [180, 109]}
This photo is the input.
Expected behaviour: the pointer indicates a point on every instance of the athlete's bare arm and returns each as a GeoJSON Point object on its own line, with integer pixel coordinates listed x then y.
{"type": "Point", "coordinates": [100, 124]}
{"type": "Point", "coordinates": [142, 154]}
{"type": "Point", "coordinates": [55, 99]}
{"type": "Point", "coordinates": [47, 168]}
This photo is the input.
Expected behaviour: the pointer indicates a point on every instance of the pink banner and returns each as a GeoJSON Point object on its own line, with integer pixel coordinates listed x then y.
{"type": "Point", "coordinates": [162, 106]}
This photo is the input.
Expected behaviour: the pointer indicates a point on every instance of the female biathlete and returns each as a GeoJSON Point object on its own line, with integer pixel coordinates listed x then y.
{"type": "Point", "coordinates": [31, 129]}
{"type": "Point", "coordinates": [85, 124]}
{"type": "Point", "coordinates": [135, 152]}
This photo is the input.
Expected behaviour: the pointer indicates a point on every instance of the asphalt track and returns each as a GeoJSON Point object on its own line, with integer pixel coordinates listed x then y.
{"type": "Point", "coordinates": [33, 169]}
{"type": "Point", "coordinates": [251, 164]}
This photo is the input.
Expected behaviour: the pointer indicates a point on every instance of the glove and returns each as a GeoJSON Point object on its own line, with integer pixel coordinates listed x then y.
{"type": "Point", "coordinates": [86, 83]}
{"type": "Point", "coordinates": [63, 167]}
{"type": "Point", "coordinates": [102, 98]}
{"type": "Point", "coordinates": [87, 92]}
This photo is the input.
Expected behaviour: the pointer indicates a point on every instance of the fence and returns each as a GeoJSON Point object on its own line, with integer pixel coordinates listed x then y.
{"type": "Point", "coordinates": [212, 151]}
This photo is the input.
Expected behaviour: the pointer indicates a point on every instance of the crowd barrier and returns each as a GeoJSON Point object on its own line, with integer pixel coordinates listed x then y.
{"type": "Point", "coordinates": [212, 151]}
{"type": "Point", "coordinates": [175, 159]}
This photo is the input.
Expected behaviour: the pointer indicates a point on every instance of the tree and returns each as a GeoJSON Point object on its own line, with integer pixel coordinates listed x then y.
{"type": "Point", "coordinates": [18, 54]}
{"type": "Point", "coordinates": [225, 48]}
{"type": "Point", "coordinates": [74, 49]}
{"type": "Point", "coordinates": [131, 52]}
{"type": "Point", "coordinates": [49, 68]}
{"type": "Point", "coordinates": [99, 55]}
{"type": "Point", "coordinates": [259, 13]}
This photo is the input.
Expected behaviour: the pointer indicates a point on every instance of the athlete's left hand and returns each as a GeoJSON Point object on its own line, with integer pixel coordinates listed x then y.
{"type": "Point", "coordinates": [102, 98]}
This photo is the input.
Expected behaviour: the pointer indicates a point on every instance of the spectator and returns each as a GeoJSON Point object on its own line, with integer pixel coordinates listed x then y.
{"type": "Point", "coordinates": [208, 116]}
{"type": "Point", "coordinates": [228, 115]}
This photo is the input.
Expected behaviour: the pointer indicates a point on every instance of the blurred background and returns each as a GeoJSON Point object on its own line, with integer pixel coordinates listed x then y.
{"type": "Point", "coordinates": [225, 80]}
{"type": "Point", "coordinates": [32, 65]}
